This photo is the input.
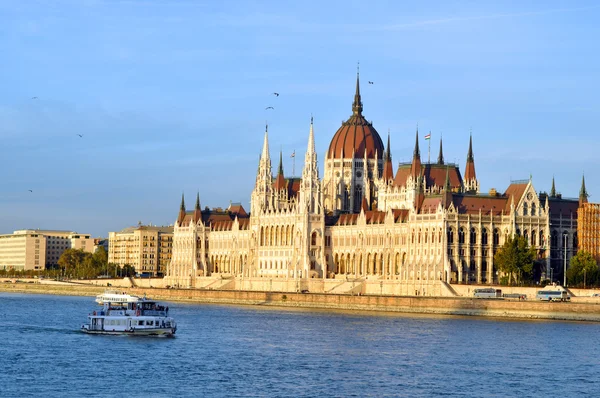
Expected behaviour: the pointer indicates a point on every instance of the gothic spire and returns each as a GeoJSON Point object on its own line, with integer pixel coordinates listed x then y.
{"type": "Point", "coordinates": [311, 137]}
{"type": "Point", "coordinates": [265, 151]}
{"type": "Point", "coordinates": [470, 167]}
{"type": "Point", "coordinates": [388, 154]}
{"type": "Point", "coordinates": [388, 168]}
{"type": "Point", "coordinates": [441, 155]}
{"type": "Point", "coordinates": [583, 195]}
{"type": "Point", "coordinates": [415, 167]}
{"type": "Point", "coordinates": [470, 157]}
{"type": "Point", "coordinates": [182, 207]}
{"type": "Point", "coordinates": [553, 189]}
{"type": "Point", "coordinates": [447, 182]}
{"type": "Point", "coordinates": [280, 169]}
{"type": "Point", "coordinates": [417, 153]}
{"type": "Point", "coordinates": [197, 201]}
{"type": "Point", "coordinates": [357, 104]}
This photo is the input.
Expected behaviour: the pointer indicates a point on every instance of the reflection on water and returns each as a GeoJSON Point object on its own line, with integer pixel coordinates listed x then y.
{"type": "Point", "coordinates": [255, 351]}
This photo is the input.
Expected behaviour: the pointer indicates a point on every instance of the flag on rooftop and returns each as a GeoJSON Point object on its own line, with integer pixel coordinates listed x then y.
{"type": "Point", "coordinates": [428, 136]}
{"type": "Point", "coordinates": [293, 155]}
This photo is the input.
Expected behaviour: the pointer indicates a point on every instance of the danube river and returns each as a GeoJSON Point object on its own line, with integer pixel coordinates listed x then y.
{"type": "Point", "coordinates": [233, 351]}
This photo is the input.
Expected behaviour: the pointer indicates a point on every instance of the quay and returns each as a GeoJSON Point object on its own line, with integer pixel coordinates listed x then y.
{"type": "Point", "coordinates": [579, 309]}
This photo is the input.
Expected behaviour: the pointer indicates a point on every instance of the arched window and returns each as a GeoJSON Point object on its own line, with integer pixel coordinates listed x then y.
{"type": "Point", "coordinates": [518, 232]}
{"type": "Point", "coordinates": [496, 237]}
{"type": "Point", "coordinates": [542, 241]}
{"type": "Point", "coordinates": [426, 235]}
{"type": "Point", "coordinates": [484, 237]}
{"type": "Point", "coordinates": [473, 236]}
{"type": "Point", "coordinates": [313, 239]}
{"type": "Point", "coordinates": [450, 236]}
{"type": "Point", "coordinates": [533, 210]}
{"type": "Point", "coordinates": [419, 236]}
{"type": "Point", "coordinates": [525, 208]}
{"type": "Point", "coordinates": [461, 235]}
{"type": "Point", "coordinates": [533, 236]}
{"type": "Point", "coordinates": [526, 236]}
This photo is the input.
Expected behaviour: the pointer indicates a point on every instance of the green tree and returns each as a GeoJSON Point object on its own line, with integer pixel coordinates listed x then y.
{"type": "Point", "coordinates": [75, 263]}
{"type": "Point", "coordinates": [582, 269]}
{"type": "Point", "coordinates": [515, 258]}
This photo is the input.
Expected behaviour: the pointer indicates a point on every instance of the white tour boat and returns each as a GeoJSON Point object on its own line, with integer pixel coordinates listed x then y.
{"type": "Point", "coordinates": [115, 296]}
{"type": "Point", "coordinates": [131, 315]}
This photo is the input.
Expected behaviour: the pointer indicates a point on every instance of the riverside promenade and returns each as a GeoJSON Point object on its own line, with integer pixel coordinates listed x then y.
{"type": "Point", "coordinates": [577, 310]}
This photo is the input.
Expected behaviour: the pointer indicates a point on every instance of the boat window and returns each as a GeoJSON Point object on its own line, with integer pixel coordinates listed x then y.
{"type": "Point", "coordinates": [141, 323]}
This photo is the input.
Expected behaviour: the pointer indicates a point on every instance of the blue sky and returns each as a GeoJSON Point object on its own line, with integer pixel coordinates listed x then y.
{"type": "Point", "coordinates": [170, 96]}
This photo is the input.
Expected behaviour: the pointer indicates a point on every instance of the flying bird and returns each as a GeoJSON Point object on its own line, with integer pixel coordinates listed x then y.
{"type": "Point", "coordinates": [269, 107]}
{"type": "Point", "coordinates": [276, 94]}
{"type": "Point", "coordinates": [30, 190]}
{"type": "Point", "coordinates": [80, 135]}
{"type": "Point", "coordinates": [34, 98]}
{"type": "Point", "coordinates": [370, 82]}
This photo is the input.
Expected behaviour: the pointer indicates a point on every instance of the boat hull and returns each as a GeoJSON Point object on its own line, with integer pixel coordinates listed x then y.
{"type": "Point", "coordinates": [166, 332]}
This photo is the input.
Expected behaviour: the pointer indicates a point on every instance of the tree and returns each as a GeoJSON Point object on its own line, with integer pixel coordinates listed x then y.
{"type": "Point", "coordinates": [582, 269]}
{"type": "Point", "coordinates": [515, 258]}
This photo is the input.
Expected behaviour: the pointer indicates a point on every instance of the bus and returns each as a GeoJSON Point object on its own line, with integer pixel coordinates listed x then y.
{"type": "Point", "coordinates": [553, 295]}
{"type": "Point", "coordinates": [488, 292]}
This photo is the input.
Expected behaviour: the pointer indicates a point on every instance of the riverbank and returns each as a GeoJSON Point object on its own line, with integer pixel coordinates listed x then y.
{"type": "Point", "coordinates": [529, 309]}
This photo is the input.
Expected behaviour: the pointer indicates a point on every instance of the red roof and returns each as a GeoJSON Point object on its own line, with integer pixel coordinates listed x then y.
{"type": "Point", "coordinates": [514, 191]}
{"type": "Point", "coordinates": [435, 174]}
{"type": "Point", "coordinates": [472, 204]}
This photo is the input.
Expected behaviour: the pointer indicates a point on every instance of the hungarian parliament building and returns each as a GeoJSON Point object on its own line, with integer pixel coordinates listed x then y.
{"type": "Point", "coordinates": [412, 227]}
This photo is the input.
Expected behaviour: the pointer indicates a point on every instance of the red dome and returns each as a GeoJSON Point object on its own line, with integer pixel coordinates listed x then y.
{"type": "Point", "coordinates": [356, 136]}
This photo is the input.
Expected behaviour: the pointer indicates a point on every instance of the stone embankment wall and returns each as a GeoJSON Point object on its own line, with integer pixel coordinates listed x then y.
{"type": "Point", "coordinates": [529, 309]}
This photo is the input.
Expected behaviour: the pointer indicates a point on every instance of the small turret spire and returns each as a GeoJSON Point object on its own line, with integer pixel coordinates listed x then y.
{"type": "Point", "coordinates": [440, 159]}
{"type": "Point", "coordinates": [447, 182]}
{"type": "Point", "coordinates": [553, 189]}
{"type": "Point", "coordinates": [182, 207]}
{"type": "Point", "coordinates": [470, 157]}
{"type": "Point", "coordinates": [416, 152]}
{"type": "Point", "coordinates": [583, 195]}
{"type": "Point", "coordinates": [280, 169]}
{"type": "Point", "coordinates": [388, 154]}
{"type": "Point", "coordinates": [197, 201]}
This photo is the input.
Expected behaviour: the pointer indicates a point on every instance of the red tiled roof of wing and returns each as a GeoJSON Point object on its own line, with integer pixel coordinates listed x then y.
{"type": "Point", "coordinates": [471, 204]}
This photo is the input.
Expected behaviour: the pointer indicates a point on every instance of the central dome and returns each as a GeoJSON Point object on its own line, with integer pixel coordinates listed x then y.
{"type": "Point", "coordinates": [356, 136]}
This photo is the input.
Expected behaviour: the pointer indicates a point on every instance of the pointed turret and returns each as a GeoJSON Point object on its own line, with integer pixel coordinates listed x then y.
{"type": "Point", "coordinates": [440, 159]}
{"type": "Point", "coordinates": [447, 196]}
{"type": "Point", "coordinates": [197, 211]}
{"type": "Point", "coordinates": [553, 189]}
{"type": "Point", "coordinates": [181, 215]}
{"type": "Point", "coordinates": [583, 195]}
{"type": "Point", "coordinates": [311, 138]}
{"type": "Point", "coordinates": [415, 168]}
{"type": "Point", "coordinates": [310, 195]}
{"type": "Point", "coordinates": [264, 179]}
{"type": "Point", "coordinates": [388, 169]}
{"type": "Point", "coordinates": [280, 180]}
{"type": "Point", "coordinates": [357, 104]}
{"type": "Point", "coordinates": [471, 183]}
{"type": "Point", "coordinates": [265, 150]}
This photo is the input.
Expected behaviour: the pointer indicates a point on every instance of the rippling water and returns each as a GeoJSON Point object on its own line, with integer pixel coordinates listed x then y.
{"type": "Point", "coordinates": [252, 351]}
